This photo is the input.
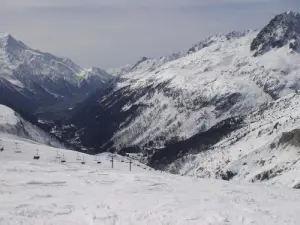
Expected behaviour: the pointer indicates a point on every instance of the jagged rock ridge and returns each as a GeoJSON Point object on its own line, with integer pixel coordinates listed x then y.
{"type": "Point", "coordinates": [282, 30]}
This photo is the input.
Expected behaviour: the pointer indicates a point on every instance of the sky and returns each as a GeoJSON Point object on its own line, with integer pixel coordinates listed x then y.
{"type": "Point", "coordinates": [112, 33]}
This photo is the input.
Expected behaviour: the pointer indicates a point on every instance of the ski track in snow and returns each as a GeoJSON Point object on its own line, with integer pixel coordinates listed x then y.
{"type": "Point", "coordinates": [46, 192]}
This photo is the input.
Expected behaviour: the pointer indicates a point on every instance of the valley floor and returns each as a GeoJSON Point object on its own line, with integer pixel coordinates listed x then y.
{"type": "Point", "coordinates": [45, 192]}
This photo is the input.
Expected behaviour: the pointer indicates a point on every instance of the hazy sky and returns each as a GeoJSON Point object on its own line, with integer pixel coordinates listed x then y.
{"type": "Point", "coordinates": [112, 33]}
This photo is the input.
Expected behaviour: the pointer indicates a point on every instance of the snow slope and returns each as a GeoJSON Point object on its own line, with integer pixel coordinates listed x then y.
{"type": "Point", "coordinates": [48, 192]}
{"type": "Point", "coordinates": [14, 126]}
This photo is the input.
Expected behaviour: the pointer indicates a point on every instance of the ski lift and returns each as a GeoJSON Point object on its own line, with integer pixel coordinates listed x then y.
{"type": "Point", "coordinates": [63, 160]}
{"type": "Point", "coordinates": [83, 162]}
{"type": "Point", "coordinates": [98, 160]}
{"type": "Point", "coordinates": [17, 149]}
{"type": "Point", "coordinates": [57, 155]}
{"type": "Point", "coordinates": [37, 156]}
{"type": "Point", "coordinates": [2, 148]}
{"type": "Point", "coordinates": [78, 158]}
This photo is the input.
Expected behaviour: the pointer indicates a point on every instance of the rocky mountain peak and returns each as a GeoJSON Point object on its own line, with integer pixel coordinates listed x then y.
{"type": "Point", "coordinates": [283, 29]}
{"type": "Point", "coordinates": [9, 44]}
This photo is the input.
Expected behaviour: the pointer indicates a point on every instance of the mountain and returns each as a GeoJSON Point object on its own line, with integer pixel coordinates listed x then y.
{"type": "Point", "coordinates": [38, 82]}
{"type": "Point", "coordinates": [157, 102]}
{"type": "Point", "coordinates": [14, 127]}
{"type": "Point", "coordinates": [176, 112]}
{"type": "Point", "coordinates": [283, 30]}
{"type": "Point", "coordinates": [266, 148]}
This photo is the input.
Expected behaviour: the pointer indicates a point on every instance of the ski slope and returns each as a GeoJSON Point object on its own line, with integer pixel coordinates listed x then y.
{"type": "Point", "coordinates": [46, 192]}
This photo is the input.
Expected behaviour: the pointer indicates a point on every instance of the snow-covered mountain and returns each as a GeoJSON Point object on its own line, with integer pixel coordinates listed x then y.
{"type": "Point", "coordinates": [14, 127]}
{"type": "Point", "coordinates": [172, 99]}
{"type": "Point", "coordinates": [266, 148]}
{"type": "Point", "coordinates": [283, 30]}
{"type": "Point", "coordinates": [31, 79]}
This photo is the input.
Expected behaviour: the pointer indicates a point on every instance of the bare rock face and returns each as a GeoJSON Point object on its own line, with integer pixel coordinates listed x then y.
{"type": "Point", "coordinates": [283, 30]}
{"type": "Point", "coordinates": [292, 138]}
{"type": "Point", "coordinates": [297, 186]}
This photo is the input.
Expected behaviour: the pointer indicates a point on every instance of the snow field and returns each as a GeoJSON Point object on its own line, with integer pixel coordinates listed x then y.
{"type": "Point", "coordinates": [46, 192]}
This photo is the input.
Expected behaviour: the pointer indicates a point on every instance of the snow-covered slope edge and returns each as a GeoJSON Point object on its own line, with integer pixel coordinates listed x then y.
{"type": "Point", "coordinates": [14, 126]}
{"type": "Point", "coordinates": [265, 149]}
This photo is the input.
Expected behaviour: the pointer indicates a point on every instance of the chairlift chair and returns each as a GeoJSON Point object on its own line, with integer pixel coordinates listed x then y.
{"type": "Point", "coordinates": [63, 160]}
{"type": "Point", "coordinates": [57, 155]}
{"type": "Point", "coordinates": [98, 160]}
{"type": "Point", "coordinates": [36, 157]}
{"type": "Point", "coordinates": [78, 158]}
{"type": "Point", "coordinates": [18, 150]}
{"type": "Point", "coordinates": [83, 162]}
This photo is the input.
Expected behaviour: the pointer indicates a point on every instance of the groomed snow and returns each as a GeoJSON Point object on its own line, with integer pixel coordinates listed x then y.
{"type": "Point", "coordinates": [45, 192]}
